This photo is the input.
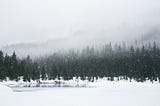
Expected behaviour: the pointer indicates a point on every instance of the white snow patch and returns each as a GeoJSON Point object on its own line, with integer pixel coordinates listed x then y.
{"type": "Point", "coordinates": [4, 89]}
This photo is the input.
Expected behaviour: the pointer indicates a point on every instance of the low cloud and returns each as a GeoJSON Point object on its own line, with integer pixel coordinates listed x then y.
{"type": "Point", "coordinates": [78, 22]}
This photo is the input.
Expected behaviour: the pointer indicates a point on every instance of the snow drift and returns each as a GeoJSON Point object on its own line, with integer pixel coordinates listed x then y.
{"type": "Point", "coordinates": [4, 89]}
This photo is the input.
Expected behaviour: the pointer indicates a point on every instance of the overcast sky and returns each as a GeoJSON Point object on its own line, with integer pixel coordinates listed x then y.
{"type": "Point", "coordinates": [42, 20]}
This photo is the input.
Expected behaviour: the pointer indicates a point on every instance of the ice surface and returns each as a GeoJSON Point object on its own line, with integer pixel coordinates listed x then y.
{"type": "Point", "coordinates": [100, 93]}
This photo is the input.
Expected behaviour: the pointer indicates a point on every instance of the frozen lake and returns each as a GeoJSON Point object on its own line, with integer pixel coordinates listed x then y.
{"type": "Point", "coordinates": [101, 94]}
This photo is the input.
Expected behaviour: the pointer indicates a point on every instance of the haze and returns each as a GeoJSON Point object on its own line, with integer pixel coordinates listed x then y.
{"type": "Point", "coordinates": [78, 21]}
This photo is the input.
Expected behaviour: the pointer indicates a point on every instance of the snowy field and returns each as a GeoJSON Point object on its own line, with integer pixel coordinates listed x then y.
{"type": "Point", "coordinates": [101, 93]}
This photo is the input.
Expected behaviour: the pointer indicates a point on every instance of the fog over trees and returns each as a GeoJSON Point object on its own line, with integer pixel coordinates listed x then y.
{"type": "Point", "coordinates": [66, 39]}
{"type": "Point", "coordinates": [129, 62]}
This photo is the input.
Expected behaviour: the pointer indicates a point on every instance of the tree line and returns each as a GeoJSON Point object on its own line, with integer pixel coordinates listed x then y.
{"type": "Point", "coordinates": [132, 62]}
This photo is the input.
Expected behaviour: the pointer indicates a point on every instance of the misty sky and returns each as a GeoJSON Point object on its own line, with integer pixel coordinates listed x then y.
{"type": "Point", "coordinates": [42, 20]}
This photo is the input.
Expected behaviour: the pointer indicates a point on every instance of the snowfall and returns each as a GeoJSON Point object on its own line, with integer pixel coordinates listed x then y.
{"type": "Point", "coordinates": [99, 93]}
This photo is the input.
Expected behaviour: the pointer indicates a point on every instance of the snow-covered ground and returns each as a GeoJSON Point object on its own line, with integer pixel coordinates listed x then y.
{"type": "Point", "coordinates": [100, 93]}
